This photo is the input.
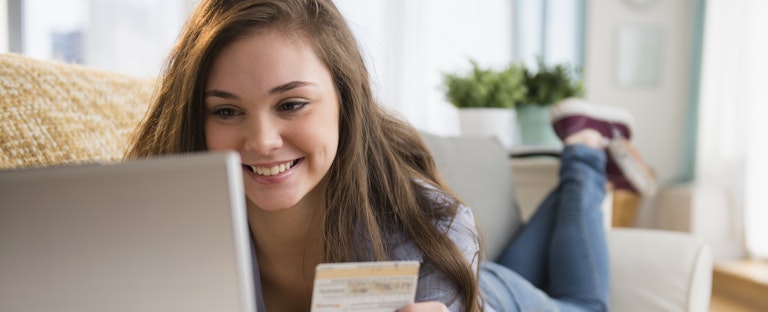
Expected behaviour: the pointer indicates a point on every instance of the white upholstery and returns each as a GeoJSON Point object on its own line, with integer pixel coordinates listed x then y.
{"type": "Point", "coordinates": [478, 171]}
{"type": "Point", "coordinates": [651, 270]}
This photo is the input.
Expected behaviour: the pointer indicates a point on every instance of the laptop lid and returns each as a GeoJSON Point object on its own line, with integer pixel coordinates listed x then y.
{"type": "Point", "coordinates": [160, 234]}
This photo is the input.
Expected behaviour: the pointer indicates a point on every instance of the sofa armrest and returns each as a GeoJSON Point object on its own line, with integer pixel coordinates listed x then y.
{"type": "Point", "coordinates": [653, 270]}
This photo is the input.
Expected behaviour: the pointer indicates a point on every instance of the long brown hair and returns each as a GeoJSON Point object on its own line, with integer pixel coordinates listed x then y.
{"type": "Point", "coordinates": [377, 181]}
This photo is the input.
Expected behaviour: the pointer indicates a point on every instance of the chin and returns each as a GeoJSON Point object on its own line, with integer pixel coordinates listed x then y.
{"type": "Point", "coordinates": [272, 206]}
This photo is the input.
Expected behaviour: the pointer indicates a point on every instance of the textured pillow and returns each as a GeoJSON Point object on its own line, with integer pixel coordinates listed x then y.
{"type": "Point", "coordinates": [53, 113]}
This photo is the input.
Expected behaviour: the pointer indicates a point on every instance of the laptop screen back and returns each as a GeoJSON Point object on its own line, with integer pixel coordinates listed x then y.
{"type": "Point", "coordinates": [161, 234]}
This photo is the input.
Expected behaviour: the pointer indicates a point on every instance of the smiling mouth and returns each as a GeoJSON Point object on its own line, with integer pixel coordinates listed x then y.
{"type": "Point", "coordinates": [274, 170]}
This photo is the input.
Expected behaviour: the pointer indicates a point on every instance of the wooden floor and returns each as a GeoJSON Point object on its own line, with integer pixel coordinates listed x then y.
{"type": "Point", "coordinates": [740, 286]}
{"type": "Point", "coordinates": [720, 303]}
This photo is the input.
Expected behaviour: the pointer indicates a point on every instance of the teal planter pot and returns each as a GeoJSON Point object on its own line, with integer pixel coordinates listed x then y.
{"type": "Point", "coordinates": [535, 126]}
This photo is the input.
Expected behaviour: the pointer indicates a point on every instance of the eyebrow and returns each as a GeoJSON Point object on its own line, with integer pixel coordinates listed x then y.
{"type": "Point", "coordinates": [289, 86]}
{"type": "Point", "coordinates": [221, 94]}
{"type": "Point", "coordinates": [279, 89]}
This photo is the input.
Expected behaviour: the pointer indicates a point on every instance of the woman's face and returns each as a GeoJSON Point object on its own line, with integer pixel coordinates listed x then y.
{"type": "Point", "coordinates": [271, 99]}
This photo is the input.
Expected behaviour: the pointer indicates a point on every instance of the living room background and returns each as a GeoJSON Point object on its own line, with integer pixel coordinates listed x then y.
{"type": "Point", "coordinates": [410, 43]}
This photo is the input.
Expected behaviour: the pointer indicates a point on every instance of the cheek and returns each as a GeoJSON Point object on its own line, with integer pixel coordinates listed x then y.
{"type": "Point", "coordinates": [217, 137]}
{"type": "Point", "coordinates": [319, 136]}
{"type": "Point", "coordinates": [328, 132]}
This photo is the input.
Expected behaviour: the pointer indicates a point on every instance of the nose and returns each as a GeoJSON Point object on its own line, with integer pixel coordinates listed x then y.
{"type": "Point", "coordinates": [262, 135]}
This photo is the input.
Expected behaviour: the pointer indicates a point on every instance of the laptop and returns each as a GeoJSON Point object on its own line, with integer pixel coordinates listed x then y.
{"type": "Point", "coordinates": [159, 234]}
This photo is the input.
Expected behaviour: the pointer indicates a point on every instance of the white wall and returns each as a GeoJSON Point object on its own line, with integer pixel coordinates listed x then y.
{"type": "Point", "coordinates": [660, 109]}
{"type": "Point", "coordinates": [3, 26]}
{"type": "Point", "coordinates": [712, 212]}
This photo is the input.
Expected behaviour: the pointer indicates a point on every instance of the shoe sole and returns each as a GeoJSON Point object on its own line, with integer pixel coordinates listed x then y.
{"type": "Point", "coordinates": [632, 170]}
{"type": "Point", "coordinates": [575, 107]}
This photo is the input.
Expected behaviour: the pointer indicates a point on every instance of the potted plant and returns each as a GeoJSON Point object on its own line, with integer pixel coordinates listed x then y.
{"type": "Point", "coordinates": [547, 86]}
{"type": "Point", "coordinates": [486, 99]}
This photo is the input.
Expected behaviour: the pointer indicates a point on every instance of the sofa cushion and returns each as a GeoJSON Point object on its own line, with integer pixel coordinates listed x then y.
{"type": "Point", "coordinates": [55, 113]}
{"type": "Point", "coordinates": [477, 169]}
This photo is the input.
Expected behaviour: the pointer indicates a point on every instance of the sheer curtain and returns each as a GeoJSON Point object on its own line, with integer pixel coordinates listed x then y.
{"type": "Point", "coordinates": [409, 44]}
{"type": "Point", "coordinates": [732, 147]}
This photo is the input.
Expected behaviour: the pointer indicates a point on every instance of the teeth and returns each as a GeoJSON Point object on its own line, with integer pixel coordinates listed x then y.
{"type": "Point", "coordinates": [270, 171]}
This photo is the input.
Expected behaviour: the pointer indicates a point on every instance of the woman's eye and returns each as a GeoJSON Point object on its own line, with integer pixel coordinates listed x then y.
{"type": "Point", "coordinates": [291, 106]}
{"type": "Point", "coordinates": [225, 112]}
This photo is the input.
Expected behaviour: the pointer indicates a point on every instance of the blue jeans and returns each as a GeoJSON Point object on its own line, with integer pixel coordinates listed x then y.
{"type": "Point", "coordinates": [559, 259]}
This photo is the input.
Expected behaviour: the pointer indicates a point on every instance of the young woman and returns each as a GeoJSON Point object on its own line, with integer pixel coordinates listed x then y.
{"type": "Point", "coordinates": [331, 177]}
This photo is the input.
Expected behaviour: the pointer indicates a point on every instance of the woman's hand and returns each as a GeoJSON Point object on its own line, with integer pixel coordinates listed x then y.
{"type": "Point", "coordinates": [429, 306]}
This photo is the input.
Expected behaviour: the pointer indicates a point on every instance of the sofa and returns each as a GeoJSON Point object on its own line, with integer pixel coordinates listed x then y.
{"type": "Point", "coordinates": [54, 113]}
{"type": "Point", "coordinates": [651, 270]}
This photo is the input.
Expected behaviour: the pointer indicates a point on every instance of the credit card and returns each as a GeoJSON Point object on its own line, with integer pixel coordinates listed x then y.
{"type": "Point", "coordinates": [364, 286]}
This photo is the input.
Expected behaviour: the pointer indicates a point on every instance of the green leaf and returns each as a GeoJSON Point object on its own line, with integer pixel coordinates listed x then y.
{"type": "Point", "coordinates": [485, 87]}
{"type": "Point", "coordinates": [551, 84]}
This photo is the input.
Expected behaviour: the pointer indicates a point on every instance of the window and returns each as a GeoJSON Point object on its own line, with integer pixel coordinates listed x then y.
{"type": "Point", "coordinates": [127, 36]}
{"type": "Point", "coordinates": [409, 44]}
{"type": "Point", "coordinates": [551, 31]}
{"type": "Point", "coordinates": [732, 150]}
